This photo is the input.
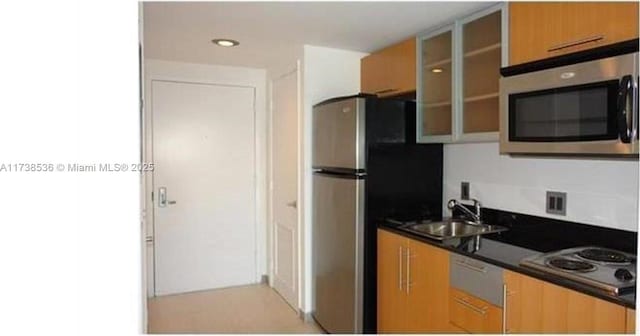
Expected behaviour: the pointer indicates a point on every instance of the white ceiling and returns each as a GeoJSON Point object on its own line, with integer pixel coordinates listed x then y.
{"type": "Point", "coordinates": [271, 31]}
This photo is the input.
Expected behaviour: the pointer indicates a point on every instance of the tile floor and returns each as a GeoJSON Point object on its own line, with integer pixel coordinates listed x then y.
{"type": "Point", "coordinates": [245, 309]}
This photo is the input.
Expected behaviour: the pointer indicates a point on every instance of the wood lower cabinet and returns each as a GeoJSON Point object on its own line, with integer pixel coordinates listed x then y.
{"type": "Point", "coordinates": [392, 298]}
{"type": "Point", "coordinates": [414, 296]}
{"type": "Point", "coordinates": [535, 306]}
{"type": "Point", "coordinates": [473, 314]}
{"type": "Point", "coordinates": [390, 71]}
{"type": "Point", "coordinates": [413, 279]}
{"type": "Point", "coordinates": [539, 30]}
{"type": "Point", "coordinates": [631, 321]}
{"type": "Point", "coordinates": [427, 276]}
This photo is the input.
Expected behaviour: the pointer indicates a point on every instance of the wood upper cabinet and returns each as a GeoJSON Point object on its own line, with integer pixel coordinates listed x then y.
{"type": "Point", "coordinates": [534, 306]}
{"type": "Point", "coordinates": [390, 71]}
{"type": "Point", "coordinates": [539, 30]}
{"type": "Point", "coordinates": [413, 279]}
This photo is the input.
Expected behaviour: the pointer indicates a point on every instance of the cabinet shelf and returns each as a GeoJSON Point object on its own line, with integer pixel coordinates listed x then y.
{"type": "Point", "coordinates": [437, 104]}
{"type": "Point", "coordinates": [481, 97]}
{"type": "Point", "coordinates": [438, 63]}
{"type": "Point", "coordinates": [480, 51]}
{"type": "Point", "coordinates": [593, 120]}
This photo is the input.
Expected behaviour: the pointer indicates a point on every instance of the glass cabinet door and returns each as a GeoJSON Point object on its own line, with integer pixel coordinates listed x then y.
{"type": "Point", "coordinates": [481, 61]}
{"type": "Point", "coordinates": [435, 97]}
{"type": "Point", "coordinates": [459, 76]}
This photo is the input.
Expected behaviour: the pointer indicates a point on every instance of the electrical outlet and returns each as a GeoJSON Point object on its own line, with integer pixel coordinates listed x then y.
{"type": "Point", "coordinates": [464, 191]}
{"type": "Point", "coordinates": [556, 203]}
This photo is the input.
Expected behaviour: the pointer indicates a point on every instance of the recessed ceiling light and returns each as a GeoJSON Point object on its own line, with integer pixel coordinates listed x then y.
{"type": "Point", "coordinates": [225, 42]}
{"type": "Point", "coordinates": [436, 70]}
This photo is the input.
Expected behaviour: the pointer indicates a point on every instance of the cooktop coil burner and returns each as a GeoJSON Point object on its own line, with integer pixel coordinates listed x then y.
{"type": "Point", "coordinates": [604, 255]}
{"type": "Point", "coordinates": [611, 271]}
{"type": "Point", "coordinates": [571, 265]}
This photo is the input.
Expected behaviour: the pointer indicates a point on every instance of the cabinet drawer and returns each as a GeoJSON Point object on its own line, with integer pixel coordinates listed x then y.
{"type": "Point", "coordinates": [473, 314]}
{"type": "Point", "coordinates": [476, 278]}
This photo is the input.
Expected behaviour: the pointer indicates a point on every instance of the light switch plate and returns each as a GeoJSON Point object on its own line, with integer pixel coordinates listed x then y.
{"type": "Point", "coordinates": [464, 191]}
{"type": "Point", "coordinates": [556, 203]}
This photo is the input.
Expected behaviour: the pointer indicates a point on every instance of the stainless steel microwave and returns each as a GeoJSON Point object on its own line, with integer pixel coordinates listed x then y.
{"type": "Point", "coordinates": [583, 108]}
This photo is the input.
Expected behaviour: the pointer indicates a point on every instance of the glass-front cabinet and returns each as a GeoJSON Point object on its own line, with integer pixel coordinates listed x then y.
{"type": "Point", "coordinates": [458, 78]}
{"type": "Point", "coordinates": [436, 92]}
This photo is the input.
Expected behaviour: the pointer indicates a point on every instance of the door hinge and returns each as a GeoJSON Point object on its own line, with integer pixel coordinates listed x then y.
{"type": "Point", "coordinates": [152, 197]}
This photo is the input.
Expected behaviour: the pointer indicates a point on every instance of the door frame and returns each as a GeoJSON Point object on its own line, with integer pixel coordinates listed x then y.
{"type": "Point", "coordinates": [280, 73]}
{"type": "Point", "coordinates": [159, 70]}
{"type": "Point", "coordinates": [144, 275]}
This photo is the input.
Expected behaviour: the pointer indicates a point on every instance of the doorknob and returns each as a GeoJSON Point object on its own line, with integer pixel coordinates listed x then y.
{"type": "Point", "coordinates": [162, 198]}
{"type": "Point", "coordinates": [293, 204]}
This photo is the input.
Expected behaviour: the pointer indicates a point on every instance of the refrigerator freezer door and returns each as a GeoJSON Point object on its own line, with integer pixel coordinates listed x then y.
{"type": "Point", "coordinates": [338, 238]}
{"type": "Point", "coordinates": [339, 134]}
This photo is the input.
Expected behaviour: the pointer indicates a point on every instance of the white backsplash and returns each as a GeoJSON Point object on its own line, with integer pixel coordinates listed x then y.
{"type": "Point", "coordinates": [601, 192]}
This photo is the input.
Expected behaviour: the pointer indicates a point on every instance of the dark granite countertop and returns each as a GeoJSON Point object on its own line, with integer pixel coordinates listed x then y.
{"type": "Point", "coordinates": [506, 250]}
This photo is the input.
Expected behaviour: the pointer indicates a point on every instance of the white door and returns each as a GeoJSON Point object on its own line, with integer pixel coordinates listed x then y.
{"type": "Point", "coordinates": [285, 186]}
{"type": "Point", "coordinates": [203, 150]}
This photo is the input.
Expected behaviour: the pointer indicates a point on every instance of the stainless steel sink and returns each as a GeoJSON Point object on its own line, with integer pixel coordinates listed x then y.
{"type": "Point", "coordinates": [454, 228]}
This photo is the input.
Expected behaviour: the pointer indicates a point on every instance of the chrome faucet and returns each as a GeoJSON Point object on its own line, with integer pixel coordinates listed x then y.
{"type": "Point", "coordinates": [477, 219]}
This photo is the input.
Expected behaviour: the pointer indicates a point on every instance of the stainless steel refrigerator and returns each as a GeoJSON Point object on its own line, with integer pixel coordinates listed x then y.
{"type": "Point", "coordinates": [367, 169]}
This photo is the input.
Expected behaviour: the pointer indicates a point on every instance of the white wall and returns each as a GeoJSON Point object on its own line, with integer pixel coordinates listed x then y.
{"type": "Point", "coordinates": [601, 192]}
{"type": "Point", "coordinates": [188, 72]}
{"type": "Point", "coordinates": [327, 73]}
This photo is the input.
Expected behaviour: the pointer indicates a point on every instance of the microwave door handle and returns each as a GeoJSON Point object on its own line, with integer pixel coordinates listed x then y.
{"type": "Point", "coordinates": [624, 131]}
{"type": "Point", "coordinates": [635, 101]}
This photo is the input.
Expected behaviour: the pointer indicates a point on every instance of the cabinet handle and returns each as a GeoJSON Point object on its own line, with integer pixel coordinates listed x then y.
{"type": "Point", "coordinates": [408, 285]}
{"type": "Point", "coordinates": [504, 308]}
{"type": "Point", "coordinates": [463, 302]}
{"type": "Point", "coordinates": [471, 267]}
{"type": "Point", "coordinates": [400, 267]}
{"type": "Point", "coordinates": [575, 43]}
{"type": "Point", "coordinates": [385, 91]}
